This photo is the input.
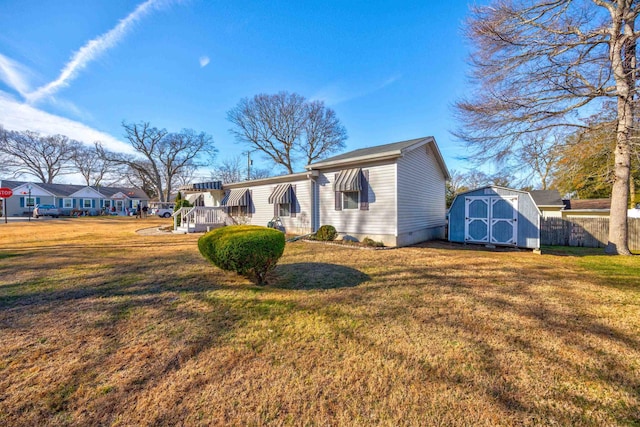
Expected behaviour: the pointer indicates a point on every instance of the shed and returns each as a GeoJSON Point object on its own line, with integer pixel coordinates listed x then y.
{"type": "Point", "coordinates": [495, 215]}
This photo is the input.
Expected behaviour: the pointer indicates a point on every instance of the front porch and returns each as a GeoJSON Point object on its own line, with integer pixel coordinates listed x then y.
{"type": "Point", "coordinates": [198, 219]}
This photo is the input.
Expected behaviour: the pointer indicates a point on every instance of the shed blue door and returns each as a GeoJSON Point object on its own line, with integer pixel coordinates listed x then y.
{"type": "Point", "coordinates": [504, 220]}
{"type": "Point", "coordinates": [476, 219]}
{"type": "Point", "coordinates": [491, 219]}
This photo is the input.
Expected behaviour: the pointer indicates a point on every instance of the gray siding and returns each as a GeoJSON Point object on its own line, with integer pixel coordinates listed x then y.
{"type": "Point", "coordinates": [381, 217]}
{"type": "Point", "coordinates": [421, 191]}
{"type": "Point", "coordinates": [528, 224]}
{"type": "Point", "coordinates": [262, 211]}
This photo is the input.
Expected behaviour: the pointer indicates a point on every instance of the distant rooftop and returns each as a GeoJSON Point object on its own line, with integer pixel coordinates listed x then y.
{"type": "Point", "coordinates": [546, 197]}
{"type": "Point", "coordinates": [575, 204]}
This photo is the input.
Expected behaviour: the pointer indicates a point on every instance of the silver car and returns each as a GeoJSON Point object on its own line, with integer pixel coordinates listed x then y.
{"type": "Point", "coordinates": [46, 210]}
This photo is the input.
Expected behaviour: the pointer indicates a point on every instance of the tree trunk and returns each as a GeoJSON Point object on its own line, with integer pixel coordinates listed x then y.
{"type": "Point", "coordinates": [623, 61]}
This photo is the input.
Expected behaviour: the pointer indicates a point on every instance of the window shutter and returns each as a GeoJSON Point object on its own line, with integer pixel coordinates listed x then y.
{"type": "Point", "coordinates": [73, 203]}
{"type": "Point", "coordinates": [364, 192]}
{"type": "Point", "coordinates": [37, 200]}
{"type": "Point", "coordinates": [338, 196]}
{"type": "Point", "coordinates": [293, 201]}
{"type": "Point", "coordinates": [249, 203]}
{"type": "Point", "coordinates": [22, 202]}
{"type": "Point", "coordinates": [59, 203]}
{"type": "Point", "coordinates": [93, 203]}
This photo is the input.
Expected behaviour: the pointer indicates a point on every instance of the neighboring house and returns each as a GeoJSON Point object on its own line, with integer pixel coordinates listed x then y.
{"type": "Point", "coordinates": [394, 193]}
{"type": "Point", "coordinates": [586, 208]}
{"type": "Point", "coordinates": [497, 216]}
{"type": "Point", "coordinates": [549, 202]}
{"type": "Point", "coordinates": [72, 198]}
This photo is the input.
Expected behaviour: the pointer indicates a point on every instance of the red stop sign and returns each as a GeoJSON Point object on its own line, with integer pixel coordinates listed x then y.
{"type": "Point", "coordinates": [5, 192]}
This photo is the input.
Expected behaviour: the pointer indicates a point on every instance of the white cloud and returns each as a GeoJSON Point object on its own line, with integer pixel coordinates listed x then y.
{"type": "Point", "coordinates": [14, 75]}
{"type": "Point", "coordinates": [20, 116]}
{"type": "Point", "coordinates": [92, 49]}
{"type": "Point", "coordinates": [335, 93]}
{"type": "Point", "coordinates": [204, 61]}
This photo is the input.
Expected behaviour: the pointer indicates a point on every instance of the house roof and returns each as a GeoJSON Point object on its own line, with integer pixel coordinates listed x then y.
{"type": "Point", "coordinates": [547, 197]}
{"type": "Point", "coordinates": [65, 190]}
{"type": "Point", "coordinates": [590, 204]}
{"type": "Point", "coordinates": [378, 152]}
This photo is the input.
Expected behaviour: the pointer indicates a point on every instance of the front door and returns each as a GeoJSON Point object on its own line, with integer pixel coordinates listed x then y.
{"type": "Point", "coordinates": [491, 219]}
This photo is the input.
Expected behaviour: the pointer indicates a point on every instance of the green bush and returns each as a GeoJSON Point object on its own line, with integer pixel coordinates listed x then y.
{"type": "Point", "coordinates": [249, 250]}
{"type": "Point", "coordinates": [367, 241]}
{"type": "Point", "coordinates": [326, 233]}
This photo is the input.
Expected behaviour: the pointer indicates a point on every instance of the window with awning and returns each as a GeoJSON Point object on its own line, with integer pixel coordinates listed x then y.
{"type": "Point", "coordinates": [283, 199]}
{"type": "Point", "coordinates": [351, 187]}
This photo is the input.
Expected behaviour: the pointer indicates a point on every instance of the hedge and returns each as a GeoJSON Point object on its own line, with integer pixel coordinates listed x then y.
{"type": "Point", "coordinates": [249, 250]}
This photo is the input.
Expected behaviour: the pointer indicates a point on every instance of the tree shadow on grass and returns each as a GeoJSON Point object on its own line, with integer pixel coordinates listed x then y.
{"type": "Point", "coordinates": [316, 275]}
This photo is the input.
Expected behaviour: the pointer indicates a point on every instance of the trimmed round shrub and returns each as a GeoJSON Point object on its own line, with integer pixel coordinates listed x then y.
{"type": "Point", "coordinates": [249, 250]}
{"type": "Point", "coordinates": [326, 233]}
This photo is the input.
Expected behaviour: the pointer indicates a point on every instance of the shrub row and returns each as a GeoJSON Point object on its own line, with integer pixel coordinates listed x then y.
{"type": "Point", "coordinates": [249, 250]}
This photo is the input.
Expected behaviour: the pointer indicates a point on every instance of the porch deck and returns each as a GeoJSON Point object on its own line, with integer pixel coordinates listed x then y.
{"type": "Point", "coordinates": [198, 219]}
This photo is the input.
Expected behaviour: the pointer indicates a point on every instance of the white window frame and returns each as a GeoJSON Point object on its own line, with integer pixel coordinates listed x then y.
{"type": "Point", "coordinates": [67, 203]}
{"type": "Point", "coordinates": [84, 204]}
{"type": "Point", "coordinates": [237, 211]}
{"type": "Point", "coordinates": [284, 209]}
{"type": "Point", "coordinates": [346, 199]}
{"type": "Point", "coordinates": [106, 203]}
{"type": "Point", "coordinates": [29, 201]}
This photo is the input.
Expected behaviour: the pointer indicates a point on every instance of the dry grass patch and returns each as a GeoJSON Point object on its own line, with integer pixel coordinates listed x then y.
{"type": "Point", "coordinates": [100, 325]}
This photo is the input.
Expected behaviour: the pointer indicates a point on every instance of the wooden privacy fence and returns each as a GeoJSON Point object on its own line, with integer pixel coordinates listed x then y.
{"type": "Point", "coordinates": [587, 232]}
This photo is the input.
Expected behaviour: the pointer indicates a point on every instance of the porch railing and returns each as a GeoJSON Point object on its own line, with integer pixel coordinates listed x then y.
{"type": "Point", "coordinates": [191, 217]}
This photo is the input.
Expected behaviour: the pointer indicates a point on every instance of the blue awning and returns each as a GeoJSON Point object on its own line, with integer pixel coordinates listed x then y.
{"type": "Point", "coordinates": [348, 180]}
{"type": "Point", "coordinates": [281, 195]}
{"type": "Point", "coordinates": [236, 197]}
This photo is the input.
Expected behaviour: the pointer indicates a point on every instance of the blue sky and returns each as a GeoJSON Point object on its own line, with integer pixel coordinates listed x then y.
{"type": "Point", "coordinates": [391, 70]}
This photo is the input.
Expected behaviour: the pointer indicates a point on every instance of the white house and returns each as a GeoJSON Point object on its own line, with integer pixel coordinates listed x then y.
{"type": "Point", "coordinates": [394, 193]}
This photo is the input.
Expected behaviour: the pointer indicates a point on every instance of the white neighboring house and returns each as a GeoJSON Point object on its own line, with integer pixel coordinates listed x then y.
{"type": "Point", "coordinates": [394, 193]}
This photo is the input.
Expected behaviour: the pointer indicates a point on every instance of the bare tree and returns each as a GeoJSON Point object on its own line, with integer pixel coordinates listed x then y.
{"type": "Point", "coordinates": [538, 158]}
{"type": "Point", "coordinates": [160, 156]}
{"type": "Point", "coordinates": [324, 134]}
{"type": "Point", "coordinates": [234, 169]}
{"type": "Point", "coordinates": [542, 64]}
{"type": "Point", "coordinates": [93, 168]}
{"type": "Point", "coordinates": [229, 170]}
{"type": "Point", "coordinates": [260, 173]}
{"type": "Point", "coordinates": [44, 157]}
{"type": "Point", "coordinates": [286, 126]}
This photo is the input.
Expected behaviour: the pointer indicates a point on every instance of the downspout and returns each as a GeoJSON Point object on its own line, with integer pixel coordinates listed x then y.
{"type": "Point", "coordinates": [313, 185]}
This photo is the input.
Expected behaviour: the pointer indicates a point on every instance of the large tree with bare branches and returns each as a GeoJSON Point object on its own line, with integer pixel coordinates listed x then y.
{"type": "Point", "coordinates": [287, 128]}
{"type": "Point", "coordinates": [45, 157]}
{"type": "Point", "coordinates": [161, 157]}
{"type": "Point", "coordinates": [551, 63]}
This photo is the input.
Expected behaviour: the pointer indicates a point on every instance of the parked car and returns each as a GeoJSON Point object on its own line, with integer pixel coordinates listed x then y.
{"type": "Point", "coordinates": [162, 209]}
{"type": "Point", "coordinates": [46, 210]}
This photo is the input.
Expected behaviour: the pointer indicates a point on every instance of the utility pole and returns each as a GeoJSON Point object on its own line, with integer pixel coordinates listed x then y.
{"type": "Point", "coordinates": [249, 163]}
